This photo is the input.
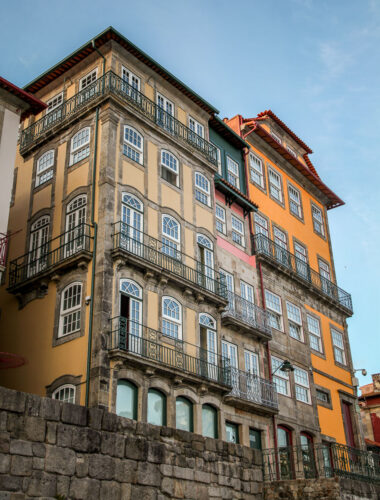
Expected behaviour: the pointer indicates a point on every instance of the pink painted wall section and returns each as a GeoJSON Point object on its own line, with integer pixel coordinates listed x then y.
{"type": "Point", "coordinates": [236, 208]}
{"type": "Point", "coordinates": [226, 245]}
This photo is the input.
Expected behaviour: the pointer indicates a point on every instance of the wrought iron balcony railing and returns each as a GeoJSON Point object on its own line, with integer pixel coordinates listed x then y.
{"type": "Point", "coordinates": [253, 388]}
{"type": "Point", "coordinates": [263, 246]}
{"type": "Point", "coordinates": [3, 249]}
{"type": "Point", "coordinates": [321, 460]}
{"type": "Point", "coordinates": [248, 313]}
{"type": "Point", "coordinates": [109, 84]}
{"type": "Point", "coordinates": [164, 256]}
{"type": "Point", "coordinates": [51, 254]}
{"type": "Point", "coordinates": [150, 344]}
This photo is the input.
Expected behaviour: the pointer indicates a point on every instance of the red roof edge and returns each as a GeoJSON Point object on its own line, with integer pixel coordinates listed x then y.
{"type": "Point", "coordinates": [35, 105]}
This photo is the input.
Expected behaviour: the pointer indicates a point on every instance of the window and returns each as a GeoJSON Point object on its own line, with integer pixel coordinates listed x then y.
{"type": "Point", "coordinates": [65, 393]}
{"type": "Point", "coordinates": [45, 167]}
{"type": "Point", "coordinates": [171, 318]}
{"type": "Point", "coordinates": [80, 146]}
{"type": "Point", "coordinates": [284, 437]}
{"type": "Point", "coordinates": [131, 309]}
{"type": "Point", "coordinates": [156, 407]}
{"type": "Point", "coordinates": [132, 223]}
{"type": "Point", "coordinates": [184, 414]}
{"type": "Point", "coordinates": [70, 309]}
{"type": "Point", "coordinates": [230, 352]}
{"type": "Point", "coordinates": [209, 346]}
{"type": "Point", "coordinates": [54, 102]}
{"type": "Point", "coordinates": [291, 151]}
{"type": "Point", "coordinates": [165, 113]}
{"type": "Point", "coordinates": [75, 238]}
{"type": "Point", "coordinates": [302, 267]}
{"type": "Point", "coordinates": [275, 186]}
{"type": "Point", "coordinates": [218, 159]}
{"type": "Point", "coordinates": [261, 225]}
{"type": "Point", "coordinates": [251, 361]}
{"type": "Point", "coordinates": [38, 245]}
{"type": "Point", "coordinates": [206, 261]}
{"type": "Point", "coordinates": [317, 216]}
{"type": "Point", "coordinates": [169, 168]}
{"type": "Point", "coordinates": [237, 231]}
{"type": "Point", "coordinates": [256, 170]}
{"type": "Point", "coordinates": [314, 329]}
{"type": "Point", "coordinates": [88, 79]}
{"type": "Point", "coordinates": [302, 386]}
{"type": "Point", "coordinates": [220, 216]}
{"type": "Point", "coordinates": [232, 432]}
{"type": "Point", "coordinates": [295, 321]}
{"type": "Point", "coordinates": [126, 399]}
{"type": "Point", "coordinates": [228, 279]}
{"type": "Point", "coordinates": [326, 284]}
{"type": "Point", "coordinates": [255, 439]}
{"type": "Point", "coordinates": [233, 172]}
{"type": "Point", "coordinates": [202, 189]}
{"type": "Point", "coordinates": [276, 137]}
{"type": "Point", "coordinates": [273, 303]}
{"type": "Point", "coordinates": [196, 127]}
{"type": "Point", "coordinates": [132, 80]}
{"type": "Point", "coordinates": [281, 246]}
{"type": "Point", "coordinates": [322, 396]}
{"type": "Point", "coordinates": [171, 237]}
{"type": "Point", "coordinates": [338, 345]}
{"type": "Point", "coordinates": [280, 378]}
{"type": "Point", "coordinates": [295, 205]}
{"type": "Point", "coordinates": [133, 144]}
{"type": "Point", "coordinates": [280, 238]}
{"type": "Point", "coordinates": [209, 421]}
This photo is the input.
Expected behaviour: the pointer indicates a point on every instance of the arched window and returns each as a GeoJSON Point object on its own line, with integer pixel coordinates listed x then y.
{"type": "Point", "coordinates": [202, 189]}
{"type": "Point", "coordinates": [38, 245]}
{"type": "Point", "coordinates": [171, 317]}
{"type": "Point", "coordinates": [206, 262]}
{"type": "Point", "coordinates": [133, 144]}
{"type": "Point", "coordinates": [156, 407]}
{"type": "Point", "coordinates": [209, 345]}
{"type": "Point", "coordinates": [132, 222]}
{"type": "Point", "coordinates": [80, 145]}
{"type": "Point", "coordinates": [65, 393]}
{"type": "Point", "coordinates": [284, 436]}
{"type": "Point", "coordinates": [126, 399]}
{"type": "Point", "coordinates": [131, 314]}
{"type": "Point", "coordinates": [209, 421]}
{"type": "Point", "coordinates": [45, 167]}
{"type": "Point", "coordinates": [169, 168]}
{"type": "Point", "coordinates": [171, 236]}
{"type": "Point", "coordinates": [308, 459]}
{"type": "Point", "coordinates": [71, 300]}
{"type": "Point", "coordinates": [75, 236]}
{"type": "Point", "coordinates": [184, 414]}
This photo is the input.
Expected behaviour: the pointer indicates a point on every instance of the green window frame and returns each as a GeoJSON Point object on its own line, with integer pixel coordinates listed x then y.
{"type": "Point", "coordinates": [156, 407]}
{"type": "Point", "coordinates": [184, 414]}
{"type": "Point", "coordinates": [209, 421]}
{"type": "Point", "coordinates": [232, 432]}
{"type": "Point", "coordinates": [126, 399]}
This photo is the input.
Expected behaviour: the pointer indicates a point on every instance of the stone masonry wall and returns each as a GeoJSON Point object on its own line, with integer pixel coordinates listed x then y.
{"type": "Point", "coordinates": [50, 449]}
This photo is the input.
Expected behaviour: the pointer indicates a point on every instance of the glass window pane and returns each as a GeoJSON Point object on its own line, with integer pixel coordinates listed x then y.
{"type": "Point", "coordinates": [126, 399]}
{"type": "Point", "coordinates": [184, 414]}
{"type": "Point", "coordinates": [209, 422]}
{"type": "Point", "coordinates": [156, 407]}
{"type": "Point", "coordinates": [255, 439]}
{"type": "Point", "coordinates": [232, 433]}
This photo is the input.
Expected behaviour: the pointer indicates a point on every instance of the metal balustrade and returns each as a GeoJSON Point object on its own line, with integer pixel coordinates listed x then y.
{"type": "Point", "coordinates": [253, 388]}
{"type": "Point", "coordinates": [150, 344]}
{"type": "Point", "coordinates": [248, 313]}
{"type": "Point", "coordinates": [52, 253]}
{"type": "Point", "coordinates": [263, 246]}
{"type": "Point", "coordinates": [168, 258]}
{"type": "Point", "coordinates": [3, 249]}
{"type": "Point", "coordinates": [320, 460]}
{"type": "Point", "coordinates": [112, 84]}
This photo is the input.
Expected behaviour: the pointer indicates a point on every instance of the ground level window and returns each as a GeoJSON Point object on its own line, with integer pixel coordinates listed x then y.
{"type": "Point", "coordinates": [65, 393]}
{"type": "Point", "coordinates": [232, 432]}
{"type": "Point", "coordinates": [156, 407]}
{"type": "Point", "coordinates": [126, 399]}
{"type": "Point", "coordinates": [184, 414]}
{"type": "Point", "coordinates": [255, 439]}
{"type": "Point", "coordinates": [209, 421]}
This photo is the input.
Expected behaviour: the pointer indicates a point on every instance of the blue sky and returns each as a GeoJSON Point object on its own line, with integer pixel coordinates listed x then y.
{"type": "Point", "coordinates": [315, 63]}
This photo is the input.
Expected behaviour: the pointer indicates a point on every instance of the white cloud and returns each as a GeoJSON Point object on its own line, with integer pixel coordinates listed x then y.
{"type": "Point", "coordinates": [334, 59]}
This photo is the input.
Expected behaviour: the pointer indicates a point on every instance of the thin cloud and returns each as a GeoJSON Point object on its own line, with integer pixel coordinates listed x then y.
{"type": "Point", "coordinates": [334, 59]}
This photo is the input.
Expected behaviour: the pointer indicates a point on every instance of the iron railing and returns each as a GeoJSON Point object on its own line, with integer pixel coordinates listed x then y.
{"type": "Point", "coordinates": [155, 346]}
{"type": "Point", "coordinates": [248, 313]}
{"type": "Point", "coordinates": [168, 258]}
{"type": "Point", "coordinates": [253, 388]}
{"type": "Point", "coordinates": [322, 460]}
{"type": "Point", "coordinates": [3, 249]}
{"type": "Point", "coordinates": [50, 254]}
{"type": "Point", "coordinates": [276, 253]}
{"type": "Point", "coordinates": [110, 83]}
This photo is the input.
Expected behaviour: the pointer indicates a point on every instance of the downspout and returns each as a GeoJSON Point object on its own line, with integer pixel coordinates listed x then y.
{"type": "Point", "coordinates": [95, 225]}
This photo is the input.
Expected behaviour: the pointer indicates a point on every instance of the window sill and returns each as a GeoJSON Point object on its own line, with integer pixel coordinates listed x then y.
{"type": "Point", "coordinates": [281, 203]}
{"type": "Point", "coordinates": [301, 219]}
{"type": "Point", "coordinates": [79, 163]}
{"type": "Point", "coordinates": [129, 160]}
{"type": "Point", "coordinates": [57, 341]}
{"type": "Point", "coordinates": [40, 187]}
{"type": "Point", "coordinates": [174, 186]}
{"type": "Point", "coordinates": [263, 189]}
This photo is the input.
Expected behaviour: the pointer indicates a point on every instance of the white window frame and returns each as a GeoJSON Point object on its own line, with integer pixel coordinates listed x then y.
{"type": "Point", "coordinates": [174, 170]}
{"type": "Point", "coordinates": [71, 311]}
{"type": "Point", "coordinates": [251, 367]}
{"type": "Point", "coordinates": [173, 323]}
{"type": "Point", "coordinates": [45, 173]}
{"type": "Point", "coordinates": [291, 151]}
{"type": "Point", "coordinates": [256, 165]}
{"type": "Point", "coordinates": [325, 393]}
{"type": "Point", "coordinates": [63, 388]}
{"type": "Point", "coordinates": [280, 238]}
{"type": "Point", "coordinates": [273, 186]}
{"type": "Point", "coordinates": [295, 201]}
{"type": "Point", "coordinates": [338, 347]}
{"type": "Point", "coordinates": [276, 137]}
{"type": "Point", "coordinates": [237, 233]}
{"type": "Point", "coordinates": [131, 78]}
{"type": "Point", "coordinates": [301, 385]}
{"type": "Point", "coordinates": [222, 228]}
{"type": "Point", "coordinates": [83, 83]}
{"type": "Point", "coordinates": [82, 151]}
{"type": "Point", "coordinates": [131, 149]}
{"type": "Point", "coordinates": [318, 224]}
{"type": "Point", "coordinates": [202, 193]}
{"type": "Point", "coordinates": [54, 102]}
{"type": "Point", "coordinates": [280, 378]}
{"type": "Point", "coordinates": [273, 312]}
{"type": "Point", "coordinates": [196, 127]}
{"type": "Point", "coordinates": [229, 280]}
{"type": "Point", "coordinates": [231, 173]}
{"type": "Point", "coordinates": [259, 227]}
{"type": "Point", "coordinates": [314, 334]}
{"type": "Point", "coordinates": [295, 321]}
{"type": "Point", "coordinates": [172, 243]}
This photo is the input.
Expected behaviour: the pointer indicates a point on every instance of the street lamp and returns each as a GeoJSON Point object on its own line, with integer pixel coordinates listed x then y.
{"type": "Point", "coordinates": [285, 366]}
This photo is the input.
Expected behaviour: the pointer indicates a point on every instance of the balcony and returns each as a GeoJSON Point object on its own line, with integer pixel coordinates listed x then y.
{"type": "Point", "coordinates": [245, 316]}
{"type": "Point", "coordinates": [69, 249]}
{"type": "Point", "coordinates": [296, 268]}
{"type": "Point", "coordinates": [167, 262]}
{"type": "Point", "coordinates": [3, 251]}
{"type": "Point", "coordinates": [108, 85]}
{"type": "Point", "coordinates": [320, 460]}
{"type": "Point", "coordinates": [251, 392]}
{"type": "Point", "coordinates": [146, 347]}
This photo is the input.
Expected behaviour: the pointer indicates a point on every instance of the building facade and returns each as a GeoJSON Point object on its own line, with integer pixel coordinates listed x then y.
{"type": "Point", "coordinates": [369, 402]}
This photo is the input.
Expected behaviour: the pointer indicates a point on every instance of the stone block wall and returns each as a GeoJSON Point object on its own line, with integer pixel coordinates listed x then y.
{"type": "Point", "coordinates": [50, 449]}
